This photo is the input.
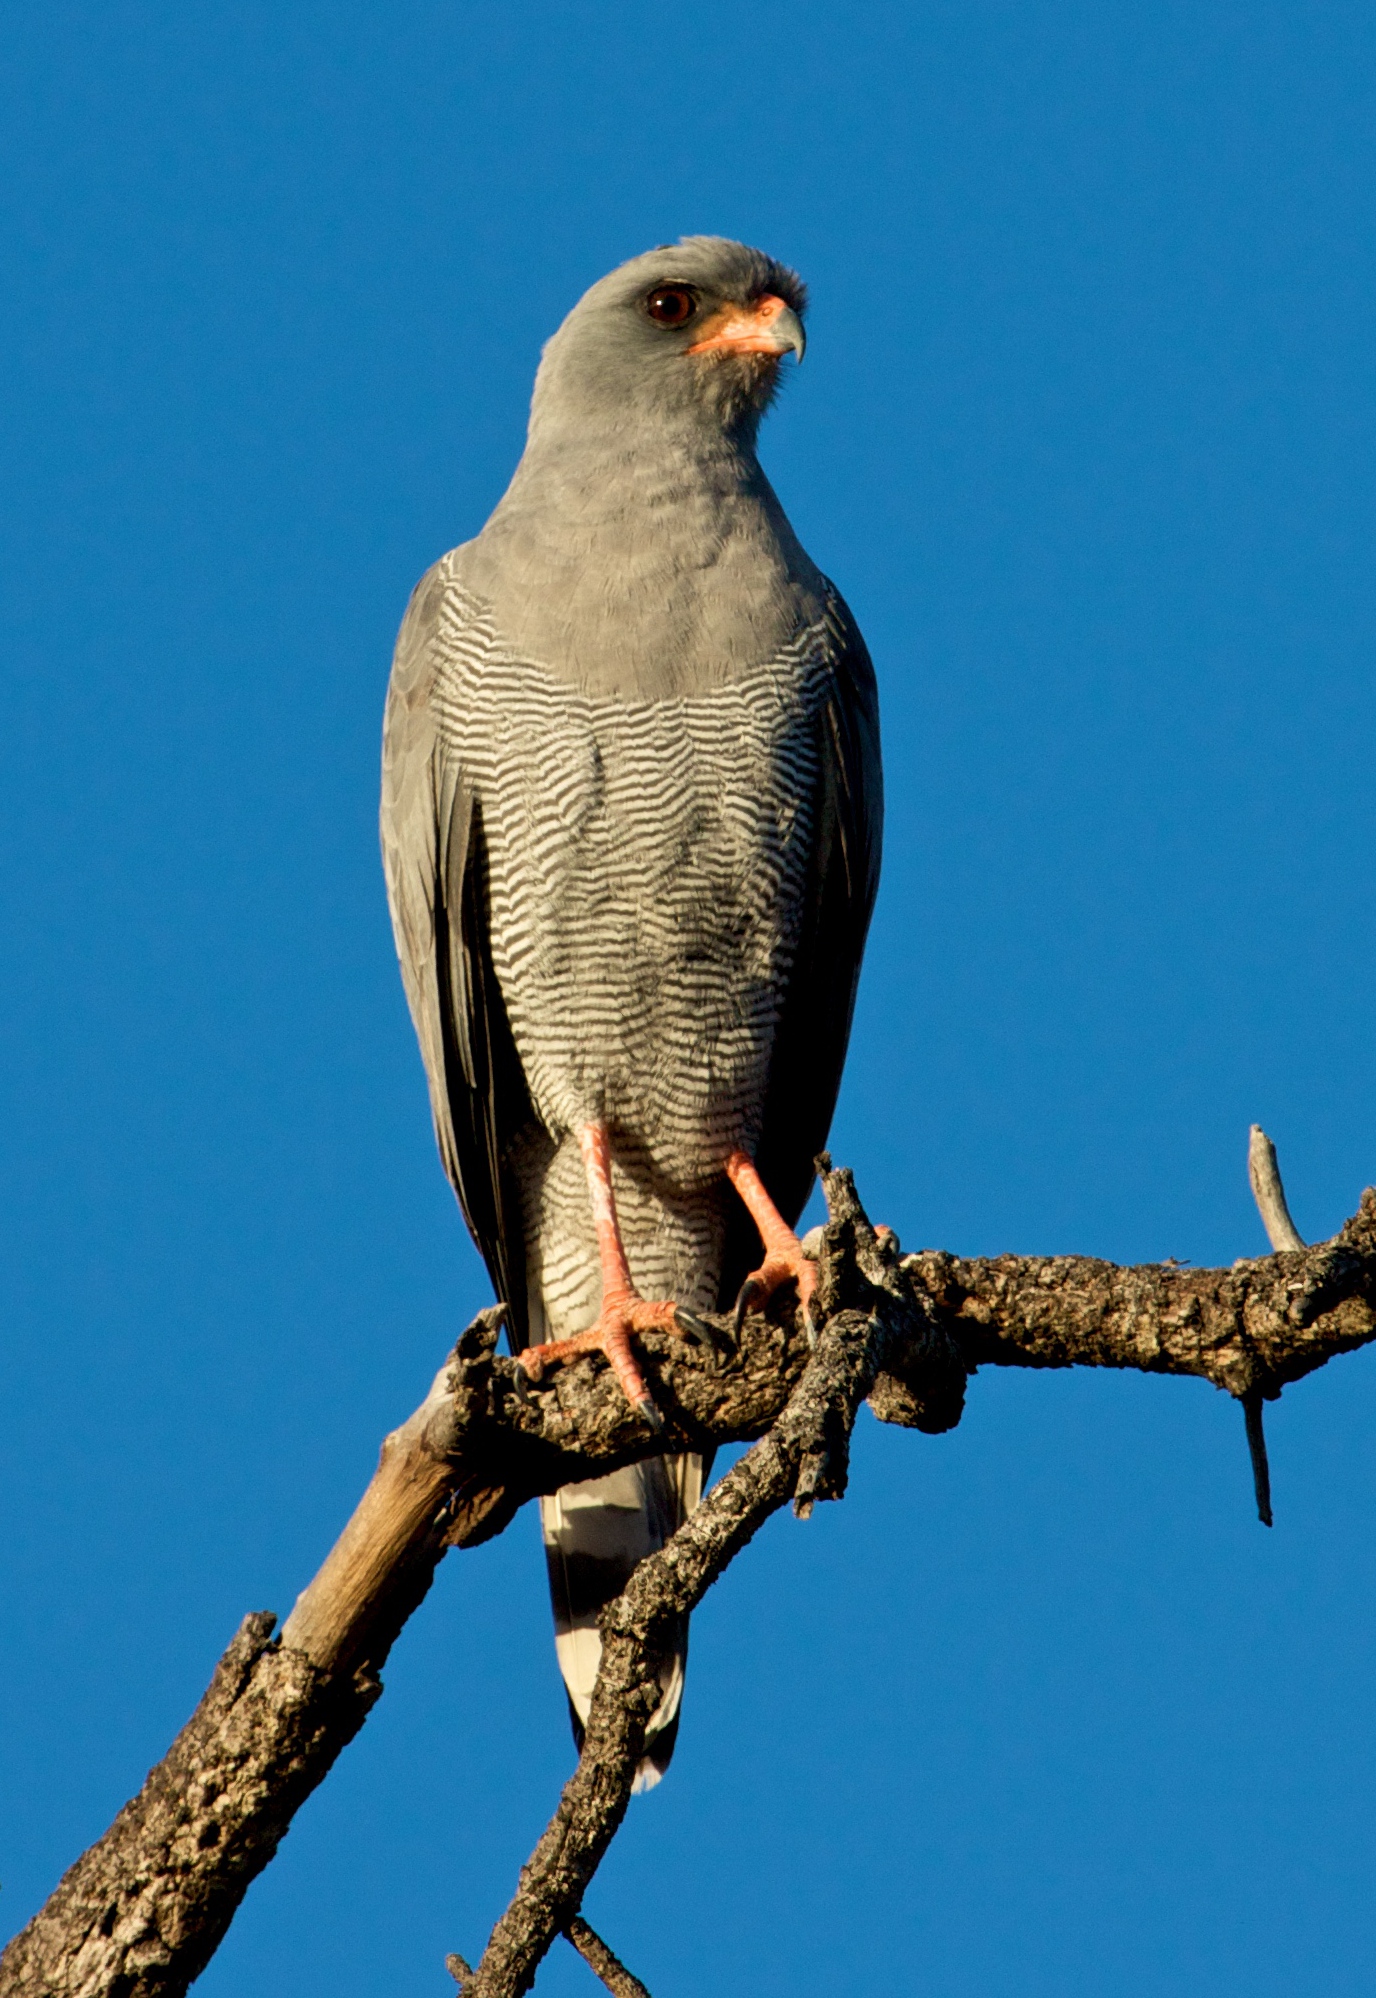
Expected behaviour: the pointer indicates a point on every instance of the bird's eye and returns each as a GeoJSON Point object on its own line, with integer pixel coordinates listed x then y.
{"type": "Point", "coordinates": [671, 305]}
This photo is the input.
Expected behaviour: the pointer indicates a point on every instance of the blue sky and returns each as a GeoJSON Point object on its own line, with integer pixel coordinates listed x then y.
{"type": "Point", "coordinates": [1086, 436]}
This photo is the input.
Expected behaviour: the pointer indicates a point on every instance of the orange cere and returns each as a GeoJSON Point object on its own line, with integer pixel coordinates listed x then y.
{"type": "Point", "coordinates": [745, 330]}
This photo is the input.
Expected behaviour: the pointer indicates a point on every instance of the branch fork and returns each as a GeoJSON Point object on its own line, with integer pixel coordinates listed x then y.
{"type": "Point", "coordinates": [804, 1455]}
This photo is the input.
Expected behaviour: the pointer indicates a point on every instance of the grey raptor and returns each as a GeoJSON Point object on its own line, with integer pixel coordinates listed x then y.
{"type": "Point", "coordinates": [631, 816]}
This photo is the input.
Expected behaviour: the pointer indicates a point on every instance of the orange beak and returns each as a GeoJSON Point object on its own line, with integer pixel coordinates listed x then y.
{"type": "Point", "coordinates": [766, 327]}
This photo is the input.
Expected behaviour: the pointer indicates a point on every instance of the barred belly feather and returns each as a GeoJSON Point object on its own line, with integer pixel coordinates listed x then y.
{"type": "Point", "coordinates": [646, 861]}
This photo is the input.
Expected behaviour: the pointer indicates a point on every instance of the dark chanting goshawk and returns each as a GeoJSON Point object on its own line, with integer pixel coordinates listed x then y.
{"type": "Point", "coordinates": [631, 813]}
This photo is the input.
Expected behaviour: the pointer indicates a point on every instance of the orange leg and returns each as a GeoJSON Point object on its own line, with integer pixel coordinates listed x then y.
{"type": "Point", "coordinates": [783, 1252]}
{"type": "Point", "coordinates": [624, 1311]}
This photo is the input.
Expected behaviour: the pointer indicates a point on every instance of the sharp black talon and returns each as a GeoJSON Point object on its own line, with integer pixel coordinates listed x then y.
{"type": "Point", "coordinates": [810, 1328]}
{"type": "Point", "coordinates": [748, 1291]}
{"type": "Point", "coordinates": [521, 1383]}
{"type": "Point", "coordinates": [705, 1332]}
{"type": "Point", "coordinates": [647, 1410]}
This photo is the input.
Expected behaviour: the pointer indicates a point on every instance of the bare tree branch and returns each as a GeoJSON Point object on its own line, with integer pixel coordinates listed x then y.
{"type": "Point", "coordinates": [1268, 1321]}
{"type": "Point", "coordinates": [139, 1915]}
{"type": "Point", "coordinates": [604, 1962]}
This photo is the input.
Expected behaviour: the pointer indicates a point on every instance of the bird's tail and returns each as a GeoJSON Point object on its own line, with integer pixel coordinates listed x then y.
{"type": "Point", "coordinates": [595, 1533]}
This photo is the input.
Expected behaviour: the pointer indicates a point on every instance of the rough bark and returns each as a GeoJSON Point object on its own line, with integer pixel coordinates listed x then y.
{"type": "Point", "coordinates": [603, 1962]}
{"type": "Point", "coordinates": [144, 1910]}
{"type": "Point", "coordinates": [140, 1914]}
{"type": "Point", "coordinates": [1261, 1323]}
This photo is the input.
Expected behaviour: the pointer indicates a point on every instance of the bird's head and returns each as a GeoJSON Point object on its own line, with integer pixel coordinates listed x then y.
{"type": "Point", "coordinates": [693, 333]}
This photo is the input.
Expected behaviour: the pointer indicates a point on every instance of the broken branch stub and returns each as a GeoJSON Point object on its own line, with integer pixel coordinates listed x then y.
{"type": "Point", "coordinates": [1263, 1171]}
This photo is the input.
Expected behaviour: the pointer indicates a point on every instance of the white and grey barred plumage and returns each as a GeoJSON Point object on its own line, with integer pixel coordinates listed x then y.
{"type": "Point", "coordinates": [631, 827]}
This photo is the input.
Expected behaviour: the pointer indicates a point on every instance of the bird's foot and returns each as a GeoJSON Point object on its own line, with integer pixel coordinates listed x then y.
{"type": "Point", "coordinates": [620, 1319]}
{"type": "Point", "coordinates": [784, 1261]}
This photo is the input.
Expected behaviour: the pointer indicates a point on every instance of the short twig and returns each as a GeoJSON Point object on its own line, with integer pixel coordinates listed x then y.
{"type": "Point", "coordinates": [1256, 1443]}
{"type": "Point", "coordinates": [1264, 1173]}
{"type": "Point", "coordinates": [621, 1982]}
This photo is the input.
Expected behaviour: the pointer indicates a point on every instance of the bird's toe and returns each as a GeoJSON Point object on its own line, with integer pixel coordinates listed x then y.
{"type": "Point", "coordinates": [781, 1266]}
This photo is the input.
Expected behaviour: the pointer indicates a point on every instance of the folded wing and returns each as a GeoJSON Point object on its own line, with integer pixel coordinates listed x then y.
{"type": "Point", "coordinates": [436, 867]}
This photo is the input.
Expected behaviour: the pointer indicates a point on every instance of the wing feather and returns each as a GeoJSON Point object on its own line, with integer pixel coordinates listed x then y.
{"type": "Point", "coordinates": [435, 861]}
